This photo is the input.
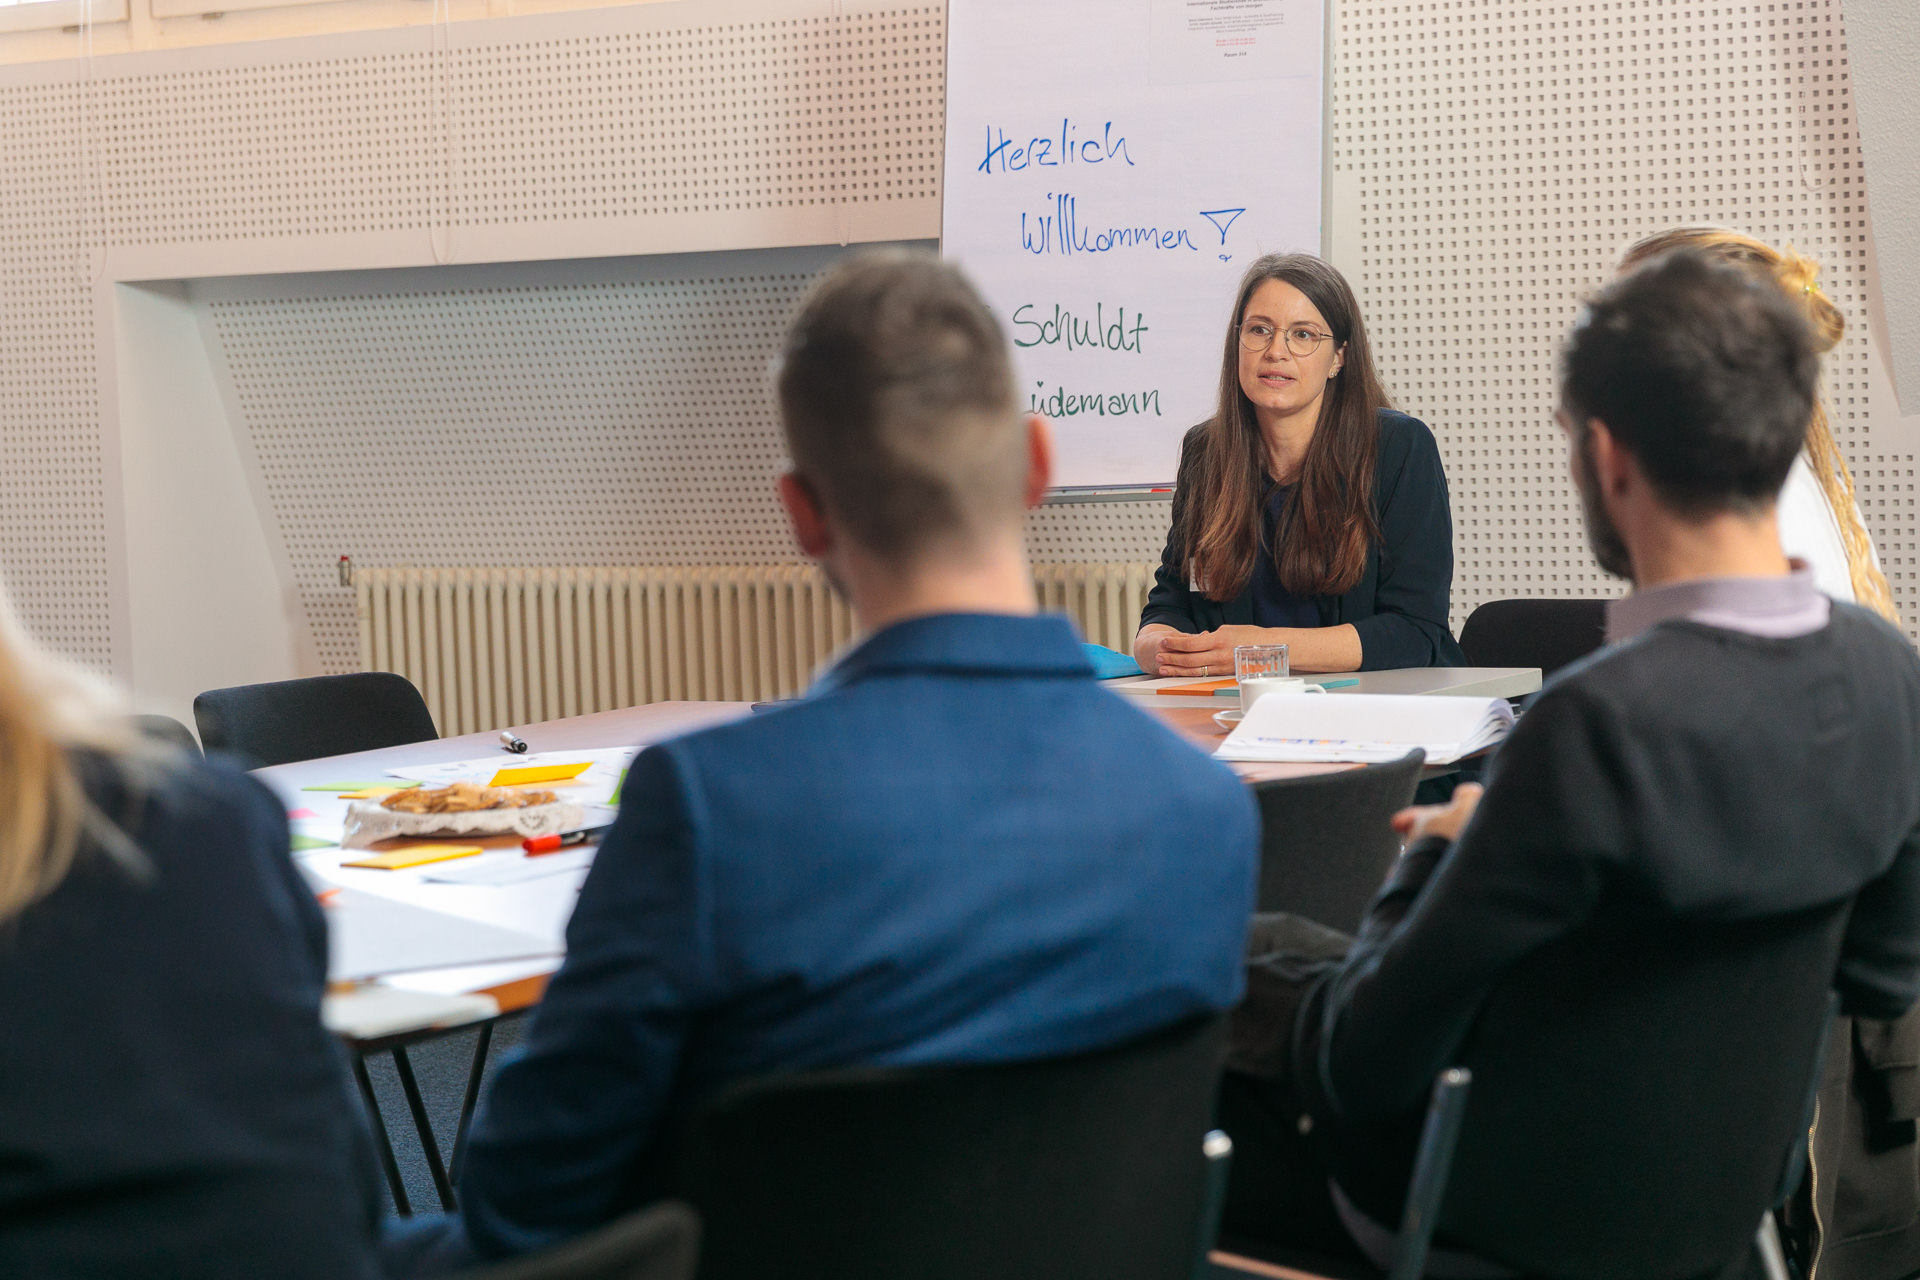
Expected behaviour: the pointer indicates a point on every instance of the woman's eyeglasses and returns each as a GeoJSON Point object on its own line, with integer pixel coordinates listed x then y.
{"type": "Point", "coordinates": [1302, 340]}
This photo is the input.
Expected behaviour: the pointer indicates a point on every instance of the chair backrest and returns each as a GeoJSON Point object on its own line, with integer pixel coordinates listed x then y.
{"type": "Point", "coordinates": [661, 1242]}
{"type": "Point", "coordinates": [1089, 1165]}
{"type": "Point", "coordinates": [1325, 846]}
{"type": "Point", "coordinates": [1548, 634]}
{"type": "Point", "coordinates": [170, 731]}
{"type": "Point", "coordinates": [1634, 1115]}
{"type": "Point", "coordinates": [289, 720]}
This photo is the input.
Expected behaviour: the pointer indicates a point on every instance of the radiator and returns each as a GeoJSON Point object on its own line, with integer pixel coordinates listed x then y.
{"type": "Point", "coordinates": [495, 647]}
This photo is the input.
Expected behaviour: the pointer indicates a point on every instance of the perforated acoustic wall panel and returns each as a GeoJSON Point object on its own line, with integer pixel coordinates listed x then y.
{"type": "Point", "coordinates": [1493, 157]}
{"type": "Point", "coordinates": [454, 416]}
{"type": "Point", "coordinates": [768, 115]}
{"type": "Point", "coordinates": [705, 124]}
{"type": "Point", "coordinates": [463, 416]}
{"type": "Point", "coordinates": [53, 488]}
{"type": "Point", "coordinates": [481, 129]}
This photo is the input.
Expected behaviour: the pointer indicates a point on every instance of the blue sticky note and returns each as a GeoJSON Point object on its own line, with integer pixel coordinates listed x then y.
{"type": "Point", "coordinates": [1109, 665]}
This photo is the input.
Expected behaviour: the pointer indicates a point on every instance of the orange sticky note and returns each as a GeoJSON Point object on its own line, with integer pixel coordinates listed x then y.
{"type": "Point", "coordinates": [540, 773]}
{"type": "Point", "coordinates": [418, 855]}
{"type": "Point", "coordinates": [1202, 690]}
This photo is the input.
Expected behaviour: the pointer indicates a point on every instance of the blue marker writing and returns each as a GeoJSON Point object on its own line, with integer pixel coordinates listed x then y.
{"type": "Point", "coordinates": [1060, 231]}
{"type": "Point", "coordinates": [1048, 152]}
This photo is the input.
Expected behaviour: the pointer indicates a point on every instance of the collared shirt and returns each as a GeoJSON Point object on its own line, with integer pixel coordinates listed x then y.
{"type": "Point", "coordinates": [1773, 608]}
{"type": "Point", "coordinates": [1011, 645]}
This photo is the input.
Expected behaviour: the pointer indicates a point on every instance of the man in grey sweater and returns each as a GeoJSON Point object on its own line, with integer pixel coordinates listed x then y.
{"type": "Point", "coordinates": [1744, 751]}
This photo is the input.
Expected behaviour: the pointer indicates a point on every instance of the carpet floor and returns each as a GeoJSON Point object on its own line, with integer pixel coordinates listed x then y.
{"type": "Point", "coordinates": [440, 1066]}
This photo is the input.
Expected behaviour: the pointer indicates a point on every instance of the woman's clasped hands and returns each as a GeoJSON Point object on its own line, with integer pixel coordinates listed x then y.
{"type": "Point", "coordinates": [1204, 655]}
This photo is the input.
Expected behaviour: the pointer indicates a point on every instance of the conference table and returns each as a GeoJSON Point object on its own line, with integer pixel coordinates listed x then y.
{"type": "Point", "coordinates": [536, 911]}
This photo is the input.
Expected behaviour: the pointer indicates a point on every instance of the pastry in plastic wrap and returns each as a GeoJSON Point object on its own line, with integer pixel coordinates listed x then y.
{"type": "Point", "coordinates": [463, 809]}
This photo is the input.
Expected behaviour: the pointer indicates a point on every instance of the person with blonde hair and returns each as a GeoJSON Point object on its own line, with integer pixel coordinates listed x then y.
{"type": "Point", "coordinates": [1820, 519]}
{"type": "Point", "coordinates": [170, 1104]}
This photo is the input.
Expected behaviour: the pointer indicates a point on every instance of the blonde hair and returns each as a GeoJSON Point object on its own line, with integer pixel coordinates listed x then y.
{"type": "Point", "coordinates": [48, 708]}
{"type": "Point", "coordinates": [1798, 276]}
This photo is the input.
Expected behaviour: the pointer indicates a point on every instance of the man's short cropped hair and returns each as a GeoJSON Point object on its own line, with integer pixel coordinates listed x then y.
{"type": "Point", "coordinates": [896, 389]}
{"type": "Point", "coordinates": [1705, 372]}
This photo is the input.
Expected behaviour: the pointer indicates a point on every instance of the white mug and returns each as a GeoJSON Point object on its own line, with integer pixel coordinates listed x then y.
{"type": "Point", "coordinates": [1251, 691]}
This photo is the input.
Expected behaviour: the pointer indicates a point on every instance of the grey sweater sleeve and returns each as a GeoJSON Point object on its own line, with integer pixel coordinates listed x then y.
{"type": "Point", "coordinates": [1530, 867]}
{"type": "Point", "coordinates": [1879, 973]}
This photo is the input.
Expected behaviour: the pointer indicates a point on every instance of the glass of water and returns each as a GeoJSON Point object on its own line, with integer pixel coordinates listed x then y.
{"type": "Point", "coordinates": [1253, 664]}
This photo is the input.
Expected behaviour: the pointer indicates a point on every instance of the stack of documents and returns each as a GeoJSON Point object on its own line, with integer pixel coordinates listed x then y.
{"type": "Point", "coordinates": [1366, 728]}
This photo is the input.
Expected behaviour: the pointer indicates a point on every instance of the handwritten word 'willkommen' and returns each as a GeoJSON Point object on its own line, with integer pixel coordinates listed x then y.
{"type": "Point", "coordinates": [1061, 403]}
{"type": "Point", "coordinates": [1050, 152]}
{"type": "Point", "coordinates": [1063, 328]}
{"type": "Point", "coordinates": [1061, 231]}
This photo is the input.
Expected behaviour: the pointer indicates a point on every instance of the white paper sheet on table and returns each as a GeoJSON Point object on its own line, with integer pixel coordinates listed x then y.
{"type": "Point", "coordinates": [510, 866]}
{"type": "Point", "coordinates": [593, 786]}
{"type": "Point", "coordinates": [369, 936]}
{"type": "Point", "coordinates": [1366, 728]}
{"type": "Point", "coordinates": [373, 1011]}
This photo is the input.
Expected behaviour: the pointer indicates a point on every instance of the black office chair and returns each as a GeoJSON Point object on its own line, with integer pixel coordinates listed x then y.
{"type": "Point", "coordinates": [1694, 1060]}
{"type": "Point", "coordinates": [661, 1242]}
{"type": "Point", "coordinates": [287, 720]}
{"type": "Point", "coordinates": [1325, 846]}
{"type": "Point", "coordinates": [1548, 634]}
{"type": "Point", "coordinates": [170, 731]}
{"type": "Point", "coordinates": [1099, 1164]}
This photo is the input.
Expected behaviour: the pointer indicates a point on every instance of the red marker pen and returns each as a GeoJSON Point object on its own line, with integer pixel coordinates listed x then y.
{"type": "Point", "coordinates": [537, 845]}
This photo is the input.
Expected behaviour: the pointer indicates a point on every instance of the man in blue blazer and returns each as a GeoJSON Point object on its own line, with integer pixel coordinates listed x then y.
{"type": "Point", "coordinates": [956, 848]}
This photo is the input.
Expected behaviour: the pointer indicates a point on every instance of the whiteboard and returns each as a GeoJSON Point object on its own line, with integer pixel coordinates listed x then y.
{"type": "Point", "coordinates": [1112, 166]}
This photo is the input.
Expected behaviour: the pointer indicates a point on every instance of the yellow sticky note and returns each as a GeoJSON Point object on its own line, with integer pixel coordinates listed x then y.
{"type": "Point", "coordinates": [540, 773]}
{"type": "Point", "coordinates": [370, 793]}
{"type": "Point", "coordinates": [418, 855]}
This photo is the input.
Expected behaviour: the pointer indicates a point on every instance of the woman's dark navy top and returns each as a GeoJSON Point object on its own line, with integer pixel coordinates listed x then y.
{"type": "Point", "coordinates": [1400, 605]}
{"type": "Point", "coordinates": [170, 1104]}
{"type": "Point", "coordinates": [1273, 604]}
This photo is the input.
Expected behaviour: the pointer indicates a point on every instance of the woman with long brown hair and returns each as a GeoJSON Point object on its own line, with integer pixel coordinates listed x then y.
{"type": "Point", "coordinates": [1307, 511]}
{"type": "Point", "coordinates": [1820, 520]}
{"type": "Point", "coordinates": [169, 1101]}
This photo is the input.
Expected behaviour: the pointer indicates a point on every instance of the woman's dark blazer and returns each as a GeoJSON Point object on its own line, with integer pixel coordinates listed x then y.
{"type": "Point", "coordinates": [169, 1103]}
{"type": "Point", "coordinates": [1401, 602]}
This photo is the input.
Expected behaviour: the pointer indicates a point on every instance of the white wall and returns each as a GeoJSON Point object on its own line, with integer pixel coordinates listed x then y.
{"type": "Point", "coordinates": [207, 605]}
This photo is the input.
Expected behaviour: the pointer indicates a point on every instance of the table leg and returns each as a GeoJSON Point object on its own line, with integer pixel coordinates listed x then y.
{"type": "Point", "coordinates": [429, 1146]}
{"type": "Point", "coordinates": [479, 1068]}
{"type": "Point", "coordinates": [382, 1143]}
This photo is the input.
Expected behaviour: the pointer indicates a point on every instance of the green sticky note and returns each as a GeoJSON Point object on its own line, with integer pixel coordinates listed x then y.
{"type": "Point", "coordinates": [1336, 684]}
{"type": "Point", "coordinates": [615, 797]}
{"type": "Point", "coordinates": [303, 843]}
{"type": "Point", "coordinates": [390, 784]}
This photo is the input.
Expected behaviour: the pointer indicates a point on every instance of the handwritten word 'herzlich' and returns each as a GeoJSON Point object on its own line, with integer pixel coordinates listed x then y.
{"type": "Point", "coordinates": [1040, 153]}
